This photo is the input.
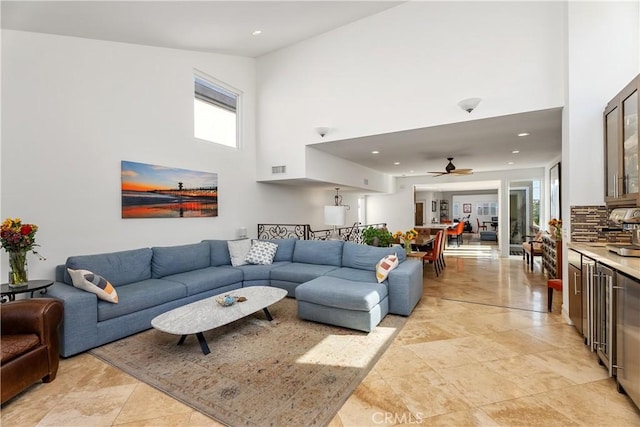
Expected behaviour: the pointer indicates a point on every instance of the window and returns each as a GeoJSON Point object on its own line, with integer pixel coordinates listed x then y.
{"type": "Point", "coordinates": [536, 203]}
{"type": "Point", "coordinates": [215, 113]}
{"type": "Point", "coordinates": [487, 209]}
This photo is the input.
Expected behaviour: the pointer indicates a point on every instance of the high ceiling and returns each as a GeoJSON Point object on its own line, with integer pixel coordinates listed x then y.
{"type": "Point", "coordinates": [210, 26]}
{"type": "Point", "coordinates": [227, 27]}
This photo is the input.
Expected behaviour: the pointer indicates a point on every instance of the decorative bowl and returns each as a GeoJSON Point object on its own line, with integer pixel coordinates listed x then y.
{"type": "Point", "coordinates": [226, 300]}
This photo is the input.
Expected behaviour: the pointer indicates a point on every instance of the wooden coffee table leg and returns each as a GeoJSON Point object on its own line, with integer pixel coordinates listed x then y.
{"type": "Point", "coordinates": [203, 343]}
{"type": "Point", "coordinates": [266, 313]}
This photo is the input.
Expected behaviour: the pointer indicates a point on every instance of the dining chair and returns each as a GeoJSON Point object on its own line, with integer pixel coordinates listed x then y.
{"type": "Point", "coordinates": [456, 233]}
{"type": "Point", "coordinates": [443, 244]}
{"type": "Point", "coordinates": [434, 255]}
{"type": "Point", "coordinates": [481, 227]}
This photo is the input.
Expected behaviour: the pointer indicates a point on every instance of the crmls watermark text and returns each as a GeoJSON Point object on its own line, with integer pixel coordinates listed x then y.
{"type": "Point", "coordinates": [393, 418]}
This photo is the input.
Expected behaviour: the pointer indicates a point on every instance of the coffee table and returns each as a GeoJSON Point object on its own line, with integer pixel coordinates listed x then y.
{"type": "Point", "coordinates": [207, 314]}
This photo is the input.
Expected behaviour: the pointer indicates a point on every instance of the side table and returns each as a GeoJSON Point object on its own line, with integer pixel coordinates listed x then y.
{"type": "Point", "coordinates": [9, 293]}
{"type": "Point", "coordinates": [416, 254]}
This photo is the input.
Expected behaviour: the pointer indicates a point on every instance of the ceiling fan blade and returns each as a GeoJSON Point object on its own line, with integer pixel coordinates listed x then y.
{"type": "Point", "coordinates": [462, 171]}
{"type": "Point", "coordinates": [438, 173]}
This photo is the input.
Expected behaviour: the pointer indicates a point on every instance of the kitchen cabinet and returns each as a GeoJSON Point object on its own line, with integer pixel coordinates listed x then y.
{"type": "Point", "coordinates": [628, 336]}
{"type": "Point", "coordinates": [621, 146]}
{"type": "Point", "coordinates": [611, 303]}
{"type": "Point", "coordinates": [575, 290]}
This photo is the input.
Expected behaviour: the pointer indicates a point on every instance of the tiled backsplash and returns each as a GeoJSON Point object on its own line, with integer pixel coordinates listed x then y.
{"type": "Point", "coordinates": [589, 224]}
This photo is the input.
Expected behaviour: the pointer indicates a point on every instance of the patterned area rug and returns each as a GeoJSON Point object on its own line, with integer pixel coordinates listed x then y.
{"type": "Point", "coordinates": [288, 372]}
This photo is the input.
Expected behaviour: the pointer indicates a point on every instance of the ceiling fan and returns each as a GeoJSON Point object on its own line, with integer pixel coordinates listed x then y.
{"type": "Point", "coordinates": [451, 169]}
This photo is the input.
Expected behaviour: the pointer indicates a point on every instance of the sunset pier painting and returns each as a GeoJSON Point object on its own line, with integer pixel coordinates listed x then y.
{"type": "Point", "coordinates": [151, 191]}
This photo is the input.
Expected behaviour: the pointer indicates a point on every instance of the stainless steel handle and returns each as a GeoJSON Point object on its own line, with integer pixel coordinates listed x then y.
{"type": "Point", "coordinates": [610, 337]}
{"type": "Point", "coordinates": [615, 185]}
{"type": "Point", "coordinates": [575, 283]}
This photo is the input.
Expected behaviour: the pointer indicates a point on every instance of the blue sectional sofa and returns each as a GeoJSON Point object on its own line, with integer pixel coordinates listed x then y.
{"type": "Point", "coordinates": [151, 281]}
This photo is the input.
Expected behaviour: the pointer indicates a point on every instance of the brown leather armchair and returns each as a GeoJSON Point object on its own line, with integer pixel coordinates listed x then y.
{"type": "Point", "coordinates": [29, 343]}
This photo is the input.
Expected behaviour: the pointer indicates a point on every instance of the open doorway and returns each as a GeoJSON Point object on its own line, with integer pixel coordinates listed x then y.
{"type": "Point", "coordinates": [518, 214]}
{"type": "Point", "coordinates": [419, 214]}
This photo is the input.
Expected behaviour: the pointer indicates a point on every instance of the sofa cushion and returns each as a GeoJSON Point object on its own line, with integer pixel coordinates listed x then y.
{"type": "Point", "coordinates": [207, 279]}
{"type": "Point", "coordinates": [138, 296]}
{"type": "Point", "coordinates": [238, 250]}
{"type": "Point", "coordinates": [219, 250]}
{"type": "Point", "coordinates": [94, 283]}
{"type": "Point", "coordinates": [261, 252]}
{"type": "Point", "coordinates": [285, 249]}
{"type": "Point", "coordinates": [252, 272]}
{"type": "Point", "coordinates": [121, 268]}
{"type": "Point", "coordinates": [354, 274]}
{"type": "Point", "coordinates": [299, 273]}
{"type": "Point", "coordinates": [367, 257]}
{"type": "Point", "coordinates": [170, 260]}
{"type": "Point", "coordinates": [17, 345]}
{"type": "Point", "coordinates": [320, 252]}
{"type": "Point", "coordinates": [340, 293]}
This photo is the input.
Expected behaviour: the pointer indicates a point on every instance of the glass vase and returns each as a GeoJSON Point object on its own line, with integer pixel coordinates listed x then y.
{"type": "Point", "coordinates": [407, 246]}
{"type": "Point", "coordinates": [18, 271]}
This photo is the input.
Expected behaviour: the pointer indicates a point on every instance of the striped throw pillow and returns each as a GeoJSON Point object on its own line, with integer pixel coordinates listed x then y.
{"type": "Point", "coordinates": [384, 266]}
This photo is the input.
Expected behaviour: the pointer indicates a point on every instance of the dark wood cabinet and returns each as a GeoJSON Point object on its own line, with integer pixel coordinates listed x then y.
{"type": "Point", "coordinates": [621, 146]}
{"type": "Point", "coordinates": [575, 297]}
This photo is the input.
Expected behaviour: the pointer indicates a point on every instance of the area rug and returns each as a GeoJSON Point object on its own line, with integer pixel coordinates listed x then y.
{"type": "Point", "coordinates": [287, 372]}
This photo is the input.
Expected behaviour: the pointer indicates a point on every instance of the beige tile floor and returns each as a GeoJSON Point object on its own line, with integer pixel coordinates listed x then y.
{"type": "Point", "coordinates": [457, 362]}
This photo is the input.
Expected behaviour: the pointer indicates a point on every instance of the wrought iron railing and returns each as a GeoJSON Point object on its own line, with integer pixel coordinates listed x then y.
{"type": "Point", "coordinates": [304, 232]}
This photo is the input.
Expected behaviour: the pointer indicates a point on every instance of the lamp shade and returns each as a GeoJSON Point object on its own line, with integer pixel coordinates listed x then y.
{"type": "Point", "coordinates": [335, 215]}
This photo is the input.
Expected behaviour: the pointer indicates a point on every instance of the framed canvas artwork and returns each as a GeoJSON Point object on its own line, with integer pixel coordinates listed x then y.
{"type": "Point", "coordinates": [152, 191]}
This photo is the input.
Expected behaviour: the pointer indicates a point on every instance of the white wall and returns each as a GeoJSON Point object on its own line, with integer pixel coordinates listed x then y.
{"type": "Point", "coordinates": [603, 55]}
{"type": "Point", "coordinates": [427, 57]}
{"type": "Point", "coordinates": [73, 108]}
{"type": "Point", "coordinates": [473, 200]}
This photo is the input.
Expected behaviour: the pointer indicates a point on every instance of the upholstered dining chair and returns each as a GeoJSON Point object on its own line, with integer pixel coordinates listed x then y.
{"type": "Point", "coordinates": [434, 255]}
{"type": "Point", "coordinates": [456, 232]}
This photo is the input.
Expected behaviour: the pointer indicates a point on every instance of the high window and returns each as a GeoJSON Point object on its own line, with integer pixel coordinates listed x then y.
{"type": "Point", "coordinates": [215, 110]}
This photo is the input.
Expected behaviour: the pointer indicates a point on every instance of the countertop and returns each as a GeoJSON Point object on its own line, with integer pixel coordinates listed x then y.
{"type": "Point", "coordinates": [599, 252]}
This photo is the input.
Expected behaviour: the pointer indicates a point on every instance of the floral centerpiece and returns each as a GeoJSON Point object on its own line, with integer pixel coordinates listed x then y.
{"type": "Point", "coordinates": [555, 226]}
{"type": "Point", "coordinates": [407, 237]}
{"type": "Point", "coordinates": [18, 239]}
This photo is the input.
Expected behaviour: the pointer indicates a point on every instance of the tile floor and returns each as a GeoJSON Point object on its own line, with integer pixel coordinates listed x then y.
{"type": "Point", "coordinates": [462, 359]}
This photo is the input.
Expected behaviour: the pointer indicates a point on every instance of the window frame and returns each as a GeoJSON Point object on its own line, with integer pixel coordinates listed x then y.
{"type": "Point", "coordinates": [223, 88]}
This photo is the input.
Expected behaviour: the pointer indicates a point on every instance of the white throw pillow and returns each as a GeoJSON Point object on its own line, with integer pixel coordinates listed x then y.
{"type": "Point", "coordinates": [384, 267]}
{"type": "Point", "coordinates": [94, 283]}
{"type": "Point", "coordinates": [261, 252]}
{"type": "Point", "coordinates": [238, 250]}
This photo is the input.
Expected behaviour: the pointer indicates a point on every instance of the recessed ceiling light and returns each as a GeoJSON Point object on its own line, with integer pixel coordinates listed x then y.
{"type": "Point", "coordinates": [375, 152]}
{"type": "Point", "coordinates": [515, 151]}
{"type": "Point", "coordinates": [256, 33]}
{"type": "Point", "coordinates": [509, 163]}
{"type": "Point", "coordinates": [411, 171]}
{"type": "Point", "coordinates": [396, 163]}
{"type": "Point", "coordinates": [523, 134]}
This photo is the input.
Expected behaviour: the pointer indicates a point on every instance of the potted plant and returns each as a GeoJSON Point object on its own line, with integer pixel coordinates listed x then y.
{"type": "Point", "coordinates": [377, 237]}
